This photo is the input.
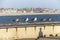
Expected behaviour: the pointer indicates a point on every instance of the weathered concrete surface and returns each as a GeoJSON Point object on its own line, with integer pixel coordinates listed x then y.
{"type": "Point", "coordinates": [28, 32]}
{"type": "Point", "coordinates": [40, 39]}
{"type": "Point", "coordinates": [26, 39]}
{"type": "Point", "coordinates": [34, 39]}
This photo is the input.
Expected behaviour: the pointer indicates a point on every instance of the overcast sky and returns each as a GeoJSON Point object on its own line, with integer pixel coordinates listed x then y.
{"type": "Point", "coordinates": [54, 4]}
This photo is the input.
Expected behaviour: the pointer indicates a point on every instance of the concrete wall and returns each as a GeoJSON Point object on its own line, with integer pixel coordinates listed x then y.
{"type": "Point", "coordinates": [28, 32]}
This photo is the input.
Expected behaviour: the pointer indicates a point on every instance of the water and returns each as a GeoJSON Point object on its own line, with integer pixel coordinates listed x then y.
{"type": "Point", "coordinates": [8, 19]}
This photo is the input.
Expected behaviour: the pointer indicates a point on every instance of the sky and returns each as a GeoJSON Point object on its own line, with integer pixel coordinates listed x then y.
{"type": "Point", "coordinates": [53, 4]}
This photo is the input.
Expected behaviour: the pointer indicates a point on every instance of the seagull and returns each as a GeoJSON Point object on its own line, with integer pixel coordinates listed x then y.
{"type": "Point", "coordinates": [17, 19]}
{"type": "Point", "coordinates": [44, 19]}
{"type": "Point", "coordinates": [50, 19]}
{"type": "Point", "coordinates": [26, 19]}
{"type": "Point", "coordinates": [35, 19]}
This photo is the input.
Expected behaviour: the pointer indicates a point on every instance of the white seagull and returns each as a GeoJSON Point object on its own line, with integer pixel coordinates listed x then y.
{"type": "Point", "coordinates": [27, 19]}
{"type": "Point", "coordinates": [17, 19]}
{"type": "Point", "coordinates": [35, 19]}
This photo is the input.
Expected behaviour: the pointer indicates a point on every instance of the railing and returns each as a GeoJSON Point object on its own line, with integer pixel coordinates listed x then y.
{"type": "Point", "coordinates": [30, 24]}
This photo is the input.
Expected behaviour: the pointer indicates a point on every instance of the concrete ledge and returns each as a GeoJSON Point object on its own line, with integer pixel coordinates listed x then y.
{"type": "Point", "coordinates": [48, 38]}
